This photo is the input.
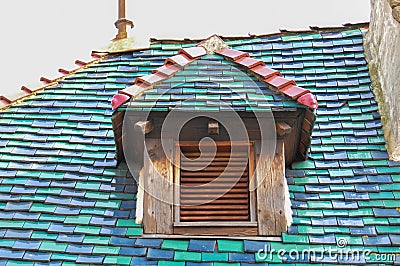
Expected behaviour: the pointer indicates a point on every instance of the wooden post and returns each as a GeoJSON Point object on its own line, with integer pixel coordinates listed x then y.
{"type": "Point", "coordinates": [158, 186]}
{"type": "Point", "coordinates": [271, 195]}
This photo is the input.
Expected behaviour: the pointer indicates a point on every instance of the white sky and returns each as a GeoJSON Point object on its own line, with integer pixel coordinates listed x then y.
{"type": "Point", "coordinates": [40, 36]}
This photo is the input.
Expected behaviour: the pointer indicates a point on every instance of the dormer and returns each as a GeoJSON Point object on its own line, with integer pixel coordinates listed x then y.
{"type": "Point", "coordinates": [209, 134]}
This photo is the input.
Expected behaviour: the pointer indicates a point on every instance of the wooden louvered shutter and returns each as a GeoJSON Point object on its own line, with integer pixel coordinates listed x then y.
{"type": "Point", "coordinates": [195, 186]}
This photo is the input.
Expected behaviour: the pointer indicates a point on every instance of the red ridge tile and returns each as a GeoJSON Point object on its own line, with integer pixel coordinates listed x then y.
{"type": "Point", "coordinates": [309, 100]}
{"type": "Point", "coordinates": [26, 90]}
{"type": "Point", "coordinates": [279, 82]}
{"type": "Point", "coordinates": [5, 100]}
{"type": "Point", "coordinates": [133, 91]}
{"type": "Point", "coordinates": [149, 79]}
{"type": "Point", "coordinates": [249, 62]}
{"type": "Point", "coordinates": [166, 71]}
{"type": "Point", "coordinates": [80, 63]}
{"type": "Point", "coordinates": [63, 71]}
{"type": "Point", "coordinates": [118, 100]}
{"type": "Point", "coordinates": [265, 72]}
{"type": "Point", "coordinates": [232, 54]}
{"type": "Point", "coordinates": [294, 91]}
{"type": "Point", "coordinates": [96, 55]}
{"type": "Point", "coordinates": [179, 60]}
{"type": "Point", "coordinates": [193, 52]}
{"type": "Point", "coordinates": [46, 80]}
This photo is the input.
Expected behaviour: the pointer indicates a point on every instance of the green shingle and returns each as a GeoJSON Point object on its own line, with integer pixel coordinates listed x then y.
{"type": "Point", "coordinates": [175, 244]}
{"type": "Point", "coordinates": [214, 257]}
{"type": "Point", "coordinates": [100, 240]}
{"type": "Point", "coordinates": [120, 260]}
{"type": "Point", "coordinates": [187, 256]}
{"type": "Point", "coordinates": [80, 219]}
{"type": "Point", "coordinates": [52, 246]}
{"type": "Point", "coordinates": [106, 250]}
{"type": "Point", "coordinates": [90, 230]}
{"type": "Point", "coordinates": [138, 231]}
{"type": "Point", "coordinates": [295, 238]}
{"type": "Point", "coordinates": [230, 246]}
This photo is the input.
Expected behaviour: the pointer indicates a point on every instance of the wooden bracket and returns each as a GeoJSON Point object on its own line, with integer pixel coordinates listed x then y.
{"type": "Point", "coordinates": [145, 126]}
{"type": "Point", "coordinates": [213, 127]}
{"type": "Point", "coordinates": [283, 129]}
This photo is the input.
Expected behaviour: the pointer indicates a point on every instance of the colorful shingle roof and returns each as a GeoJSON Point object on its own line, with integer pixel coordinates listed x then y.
{"type": "Point", "coordinates": [64, 201]}
{"type": "Point", "coordinates": [212, 72]}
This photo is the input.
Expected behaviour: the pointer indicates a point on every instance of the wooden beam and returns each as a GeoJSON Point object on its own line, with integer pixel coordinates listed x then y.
{"type": "Point", "coordinates": [282, 129]}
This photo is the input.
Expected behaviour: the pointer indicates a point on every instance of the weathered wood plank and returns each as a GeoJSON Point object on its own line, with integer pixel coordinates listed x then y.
{"type": "Point", "coordinates": [140, 198]}
{"type": "Point", "coordinates": [159, 193]}
{"type": "Point", "coordinates": [277, 191]}
{"type": "Point", "coordinates": [271, 198]}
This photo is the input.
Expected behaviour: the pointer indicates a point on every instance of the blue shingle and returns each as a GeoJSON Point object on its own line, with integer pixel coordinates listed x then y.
{"type": "Point", "coordinates": [255, 246]}
{"type": "Point", "coordinates": [64, 210]}
{"type": "Point", "coordinates": [329, 221]}
{"type": "Point", "coordinates": [103, 221]}
{"type": "Point", "coordinates": [70, 238]}
{"type": "Point", "coordinates": [61, 228]}
{"type": "Point", "coordinates": [142, 261]}
{"type": "Point", "coordinates": [202, 245]}
{"type": "Point", "coordinates": [114, 231]}
{"type": "Point", "coordinates": [148, 242]}
{"type": "Point", "coordinates": [350, 222]}
{"type": "Point", "coordinates": [366, 231]}
{"type": "Point", "coordinates": [18, 206]}
{"type": "Point", "coordinates": [348, 195]}
{"type": "Point", "coordinates": [382, 240]}
{"type": "Point", "coordinates": [130, 251]}
{"type": "Point", "coordinates": [26, 216]}
{"type": "Point", "coordinates": [122, 241]}
{"type": "Point", "coordinates": [324, 239]}
{"type": "Point", "coordinates": [380, 179]}
{"type": "Point", "coordinates": [26, 245]}
{"type": "Point", "coordinates": [18, 234]}
{"type": "Point", "coordinates": [11, 254]}
{"type": "Point", "coordinates": [159, 254]}
{"type": "Point", "coordinates": [241, 257]}
{"type": "Point", "coordinates": [379, 212]}
{"type": "Point", "coordinates": [87, 259]}
{"type": "Point", "coordinates": [79, 249]}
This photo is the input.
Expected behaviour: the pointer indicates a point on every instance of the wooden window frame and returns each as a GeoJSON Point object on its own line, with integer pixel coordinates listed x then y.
{"type": "Point", "coordinates": [215, 228]}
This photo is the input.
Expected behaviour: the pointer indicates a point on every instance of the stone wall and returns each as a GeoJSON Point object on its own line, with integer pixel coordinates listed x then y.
{"type": "Point", "coordinates": [382, 48]}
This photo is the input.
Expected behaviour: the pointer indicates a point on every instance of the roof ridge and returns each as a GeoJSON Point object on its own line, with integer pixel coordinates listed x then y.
{"type": "Point", "coordinates": [211, 45]}
{"type": "Point", "coordinates": [6, 101]}
{"type": "Point", "coordinates": [282, 32]}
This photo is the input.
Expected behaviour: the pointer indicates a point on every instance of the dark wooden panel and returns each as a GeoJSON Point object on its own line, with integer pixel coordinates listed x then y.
{"type": "Point", "coordinates": [216, 230]}
{"type": "Point", "coordinates": [227, 198]}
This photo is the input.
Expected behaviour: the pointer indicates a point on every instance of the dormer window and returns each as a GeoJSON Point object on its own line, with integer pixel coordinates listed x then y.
{"type": "Point", "coordinates": [176, 196]}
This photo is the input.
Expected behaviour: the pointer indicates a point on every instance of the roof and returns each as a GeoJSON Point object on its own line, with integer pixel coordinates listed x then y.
{"type": "Point", "coordinates": [211, 77]}
{"type": "Point", "coordinates": [213, 81]}
{"type": "Point", "coordinates": [64, 201]}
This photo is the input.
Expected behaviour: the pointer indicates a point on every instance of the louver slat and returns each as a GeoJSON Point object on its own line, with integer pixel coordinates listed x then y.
{"type": "Point", "coordinates": [215, 192]}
